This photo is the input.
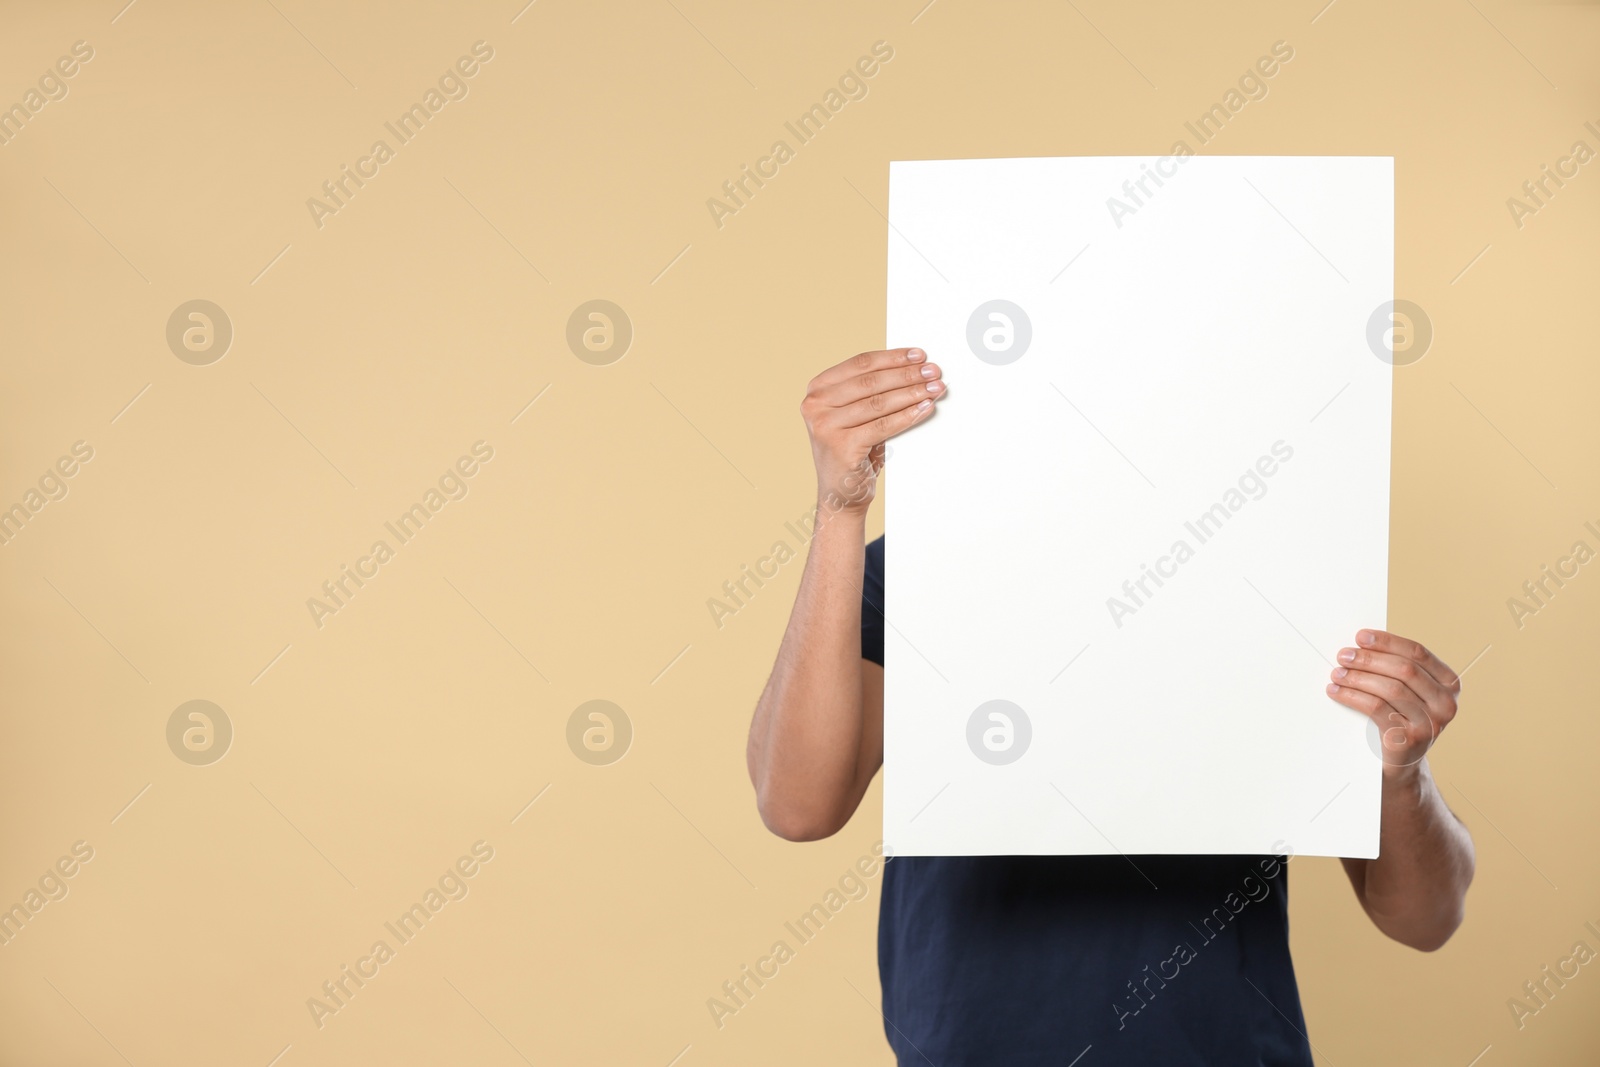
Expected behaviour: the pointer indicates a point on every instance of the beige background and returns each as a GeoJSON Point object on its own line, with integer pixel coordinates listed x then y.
{"type": "Point", "coordinates": [370, 353]}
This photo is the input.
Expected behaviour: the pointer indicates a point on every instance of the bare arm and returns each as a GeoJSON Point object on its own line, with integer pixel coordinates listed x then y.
{"type": "Point", "coordinates": [1415, 891]}
{"type": "Point", "coordinates": [816, 738]}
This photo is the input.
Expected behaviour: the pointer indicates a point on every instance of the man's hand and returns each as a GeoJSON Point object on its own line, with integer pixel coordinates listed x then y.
{"type": "Point", "coordinates": [1405, 689]}
{"type": "Point", "coordinates": [851, 409]}
{"type": "Point", "coordinates": [1415, 891]}
{"type": "Point", "coordinates": [816, 738]}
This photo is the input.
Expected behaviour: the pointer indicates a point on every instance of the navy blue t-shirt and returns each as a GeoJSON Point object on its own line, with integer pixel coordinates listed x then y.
{"type": "Point", "coordinates": [1021, 960]}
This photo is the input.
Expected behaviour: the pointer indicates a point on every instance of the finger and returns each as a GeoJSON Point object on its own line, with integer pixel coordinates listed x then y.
{"type": "Point", "coordinates": [1400, 740]}
{"type": "Point", "coordinates": [878, 404]}
{"type": "Point", "coordinates": [1391, 692]}
{"type": "Point", "coordinates": [1415, 651]}
{"type": "Point", "coordinates": [882, 380]}
{"type": "Point", "coordinates": [1433, 695]}
{"type": "Point", "coordinates": [1358, 700]}
{"type": "Point", "coordinates": [883, 427]}
{"type": "Point", "coordinates": [869, 361]}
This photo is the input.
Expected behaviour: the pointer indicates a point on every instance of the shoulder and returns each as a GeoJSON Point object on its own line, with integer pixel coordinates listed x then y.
{"type": "Point", "coordinates": [872, 621]}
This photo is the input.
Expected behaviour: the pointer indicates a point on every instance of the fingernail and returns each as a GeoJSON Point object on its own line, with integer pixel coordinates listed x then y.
{"type": "Point", "coordinates": [929, 370]}
{"type": "Point", "coordinates": [914, 354]}
{"type": "Point", "coordinates": [1339, 672]}
{"type": "Point", "coordinates": [1332, 689]}
{"type": "Point", "coordinates": [925, 405]}
{"type": "Point", "coordinates": [1365, 637]}
{"type": "Point", "coordinates": [1347, 655]}
{"type": "Point", "coordinates": [935, 387]}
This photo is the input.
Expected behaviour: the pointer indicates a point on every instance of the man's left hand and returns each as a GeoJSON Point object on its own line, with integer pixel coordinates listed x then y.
{"type": "Point", "coordinates": [1402, 687]}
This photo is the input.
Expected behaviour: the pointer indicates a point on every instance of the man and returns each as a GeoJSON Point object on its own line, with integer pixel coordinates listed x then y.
{"type": "Point", "coordinates": [1020, 960]}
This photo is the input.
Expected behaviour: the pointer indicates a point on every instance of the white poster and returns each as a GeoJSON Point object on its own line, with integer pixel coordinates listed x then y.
{"type": "Point", "coordinates": [1125, 550]}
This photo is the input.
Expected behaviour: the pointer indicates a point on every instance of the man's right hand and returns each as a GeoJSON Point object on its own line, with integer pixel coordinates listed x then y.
{"type": "Point", "coordinates": [816, 738]}
{"type": "Point", "coordinates": [852, 408]}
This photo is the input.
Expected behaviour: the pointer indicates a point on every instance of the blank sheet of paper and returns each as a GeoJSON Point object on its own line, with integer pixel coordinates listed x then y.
{"type": "Point", "coordinates": [1124, 552]}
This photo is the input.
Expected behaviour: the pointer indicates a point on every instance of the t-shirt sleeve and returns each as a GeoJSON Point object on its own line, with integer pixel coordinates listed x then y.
{"type": "Point", "coordinates": [872, 605]}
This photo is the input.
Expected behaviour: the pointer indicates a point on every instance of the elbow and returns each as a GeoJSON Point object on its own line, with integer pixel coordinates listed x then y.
{"type": "Point", "coordinates": [1434, 909]}
{"type": "Point", "coordinates": [798, 800]}
{"type": "Point", "coordinates": [800, 830]}
{"type": "Point", "coordinates": [791, 813]}
{"type": "Point", "coordinates": [794, 821]}
{"type": "Point", "coordinates": [1431, 942]}
{"type": "Point", "coordinates": [1433, 936]}
{"type": "Point", "coordinates": [1445, 931]}
{"type": "Point", "coordinates": [1451, 913]}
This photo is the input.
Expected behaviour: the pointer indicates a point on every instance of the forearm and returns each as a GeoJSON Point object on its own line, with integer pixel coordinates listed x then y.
{"type": "Point", "coordinates": [1415, 891]}
{"type": "Point", "coordinates": [816, 738]}
{"type": "Point", "coordinates": [809, 752]}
